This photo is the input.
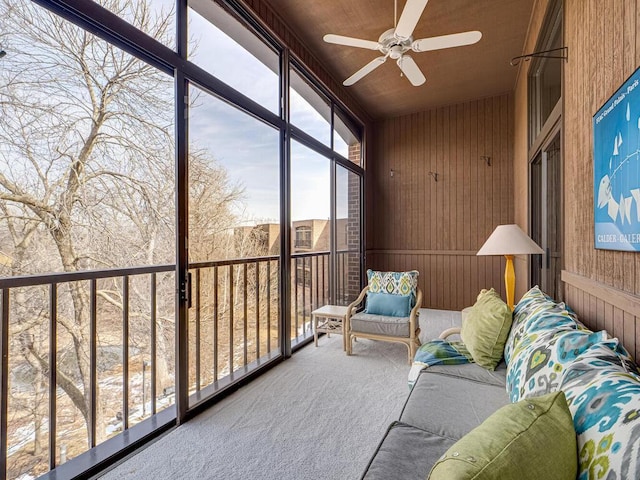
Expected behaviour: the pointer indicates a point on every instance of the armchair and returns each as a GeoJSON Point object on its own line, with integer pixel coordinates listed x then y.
{"type": "Point", "coordinates": [393, 325]}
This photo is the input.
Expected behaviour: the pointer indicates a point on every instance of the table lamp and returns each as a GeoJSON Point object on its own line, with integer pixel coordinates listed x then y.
{"type": "Point", "coordinates": [509, 240]}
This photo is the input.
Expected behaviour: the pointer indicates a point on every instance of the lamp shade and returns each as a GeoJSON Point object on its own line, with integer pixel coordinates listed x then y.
{"type": "Point", "coordinates": [509, 240]}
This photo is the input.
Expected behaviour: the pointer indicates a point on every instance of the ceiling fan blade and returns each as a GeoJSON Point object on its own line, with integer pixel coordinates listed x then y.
{"type": "Point", "coordinates": [368, 68]}
{"type": "Point", "coordinates": [409, 19]}
{"type": "Point", "coordinates": [446, 41]}
{"type": "Point", "coordinates": [411, 70]}
{"type": "Point", "coordinates": [350, 42]}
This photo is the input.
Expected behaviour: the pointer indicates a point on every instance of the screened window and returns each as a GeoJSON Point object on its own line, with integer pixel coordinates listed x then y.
{"type": "Point", "coordinates": [545, 77]}
{"type": "Point", "coordinates": [346, 137]}
{"type": "Point", "coordinates": [109, 186]}
{"type": "Point", "coordinates": [156, 18]}
{"type": "Point", "coordinates": [233, 53]}
{"type": "Point", "coordinates": [87, 183]}
{"type": "Point", "coordinates": [310, 110]}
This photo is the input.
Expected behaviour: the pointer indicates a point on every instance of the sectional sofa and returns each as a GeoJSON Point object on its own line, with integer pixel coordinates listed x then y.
{"type": "Point", "coordinates": [557, 401]}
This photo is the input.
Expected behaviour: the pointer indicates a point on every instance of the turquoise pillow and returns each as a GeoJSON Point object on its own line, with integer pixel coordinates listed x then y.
{"type": "Point", "coordinates": [538, 368]}
{"type": "Point", "coordinates": [536, 313]}
{"type": "Point", "coordinates": [388, 304]}
{"type": "Point", "coordinates": [603, 392]}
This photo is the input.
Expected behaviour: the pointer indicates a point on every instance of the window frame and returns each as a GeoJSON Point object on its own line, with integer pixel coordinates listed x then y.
{"type": "Point", "coordinates": [108, 26]}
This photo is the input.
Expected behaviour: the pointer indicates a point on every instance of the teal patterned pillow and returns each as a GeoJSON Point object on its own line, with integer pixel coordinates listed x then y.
{"type": "Point", "coordinates": [395, 283]}
{"type": "Point", "coordinates": [532, 301]}
{"type": "Point", "coordinates": [538, 368]}
{"type": "Point", "coordinates": [603, 392]}
{"type": "Point", "coordinates": [537, 312]}
{"type": "Point", "coordinates": [603, 357]}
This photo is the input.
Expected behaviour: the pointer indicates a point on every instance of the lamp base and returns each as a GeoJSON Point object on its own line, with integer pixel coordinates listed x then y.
{"type": "Point", "coordinates": [510, 280]}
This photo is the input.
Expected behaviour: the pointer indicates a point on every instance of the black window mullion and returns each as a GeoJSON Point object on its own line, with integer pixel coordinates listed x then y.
{"type": "Point", "coordinates": [310, 142]}
{"type": "Point", "coordinates": [285, 210]}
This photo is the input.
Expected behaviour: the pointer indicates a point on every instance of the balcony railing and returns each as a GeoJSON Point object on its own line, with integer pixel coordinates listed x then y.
{"type": "Point", "coordinates": [88, 355]}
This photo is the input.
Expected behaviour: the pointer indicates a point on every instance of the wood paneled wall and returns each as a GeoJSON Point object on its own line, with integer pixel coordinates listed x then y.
{"type": "Point", "coordinates": [603, 38]}
{"type": "Point", "coordinates": [414, 222]}
{"type": "Point", "coordinates": [604, 49]}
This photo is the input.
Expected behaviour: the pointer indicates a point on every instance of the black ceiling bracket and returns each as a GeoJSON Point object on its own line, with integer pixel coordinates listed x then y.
{"type": "Point", "coordinates": [542, 54]}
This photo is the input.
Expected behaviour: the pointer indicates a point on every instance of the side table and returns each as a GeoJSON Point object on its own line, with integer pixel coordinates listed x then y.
{"type": "Point", "coordinates": [329, 319]}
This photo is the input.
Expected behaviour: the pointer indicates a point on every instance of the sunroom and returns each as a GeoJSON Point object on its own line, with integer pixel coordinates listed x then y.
{"type": "Point", "coordinates": [183, 182]}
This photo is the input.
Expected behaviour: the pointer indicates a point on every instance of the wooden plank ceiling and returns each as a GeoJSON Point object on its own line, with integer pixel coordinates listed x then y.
{"type": "Point", "coordinates": [453, 75]}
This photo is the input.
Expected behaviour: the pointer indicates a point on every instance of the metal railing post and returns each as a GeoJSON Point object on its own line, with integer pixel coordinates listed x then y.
{"type": "Point", "coordinates": [4, 381]}
{"type": "Point", "coordinates": [154, 353]}
{"type": "Point", "coordinates": [93, 363]}
{"type": "Point", "coordinates": [125, 352]}
{"type": "Point", "coordinates": [53, 370]}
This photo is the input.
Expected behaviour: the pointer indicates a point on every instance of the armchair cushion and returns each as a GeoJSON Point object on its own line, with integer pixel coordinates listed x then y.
{"type": "Point", "coordinates": [380, 325]}
{"type": "Point", "coordinates": [395, 283]}
{"type": "Point", "coordinates": [388, 304]}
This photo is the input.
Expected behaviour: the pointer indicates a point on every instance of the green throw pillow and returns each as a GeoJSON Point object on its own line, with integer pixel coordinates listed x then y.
{"type": "Point", "coordinates": [532, 439]}
{"type": "Point", "coordinates": [485, 329]}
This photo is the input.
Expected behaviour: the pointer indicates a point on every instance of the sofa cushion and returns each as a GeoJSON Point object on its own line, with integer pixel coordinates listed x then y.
{"type": "Point", "coordinates": [538, 368]}
{"type": "Point", "coordinates": [380, 325]}
{"type": "Point", "coordinates": [485, 329]}
{"type": "Point", "coordinates": [405, 452]}
{"type": "Point", "coordinates": [533, 439]}
{"type": "Point", "coordinates": [471, 371]}
{"type": "Point", "coordinates": [388, 304]}
{"type": "Point", "coordinates": [603, 391]}
{"type": "Point", "coordinates": [450, 406]}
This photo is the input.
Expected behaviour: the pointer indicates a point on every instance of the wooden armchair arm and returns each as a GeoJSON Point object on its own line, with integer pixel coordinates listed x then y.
{"type": "Point", "coordinates": [415, 311]}
{"type": "Point", "coordinates": [351, 309]}
{"type": "Point", "coordinates": [448, 332]}
{"type": "Point", "coordinates": [353, 305]}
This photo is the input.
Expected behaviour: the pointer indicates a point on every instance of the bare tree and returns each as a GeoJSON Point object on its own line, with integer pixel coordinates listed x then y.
{"type": "Point", "coordinates": [87, 168]}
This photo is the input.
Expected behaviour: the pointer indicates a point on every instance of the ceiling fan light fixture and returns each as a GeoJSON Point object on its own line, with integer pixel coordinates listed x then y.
{"type": "Point", "coordinates": [396, 52]}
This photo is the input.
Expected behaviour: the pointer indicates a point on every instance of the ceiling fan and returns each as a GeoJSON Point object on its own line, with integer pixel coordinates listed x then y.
{"type": "Point", "coordinates": [395, 42]}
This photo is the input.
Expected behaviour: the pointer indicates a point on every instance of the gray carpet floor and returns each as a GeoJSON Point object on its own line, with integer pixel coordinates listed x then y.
{"type": "Point", "coordinates": [318, 415]}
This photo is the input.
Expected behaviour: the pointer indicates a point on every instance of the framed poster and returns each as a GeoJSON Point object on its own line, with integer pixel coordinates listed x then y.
{"type": "Point", "coordinates": [616, 170]}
